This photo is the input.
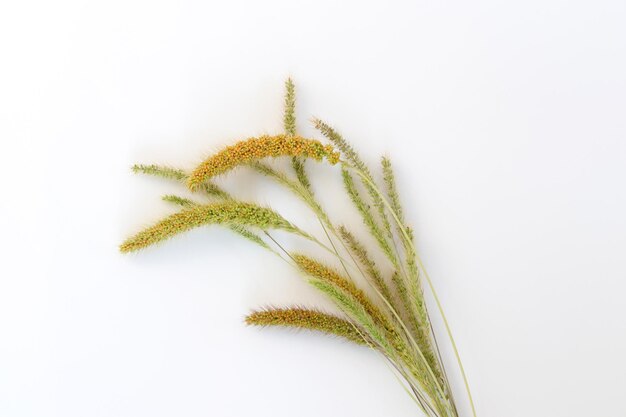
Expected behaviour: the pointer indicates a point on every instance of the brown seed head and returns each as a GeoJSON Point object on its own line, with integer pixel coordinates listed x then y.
{"type": "Point", "coordinates": [305, 319]}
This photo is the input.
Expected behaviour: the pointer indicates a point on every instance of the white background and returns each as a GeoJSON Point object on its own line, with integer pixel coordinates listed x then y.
{"type": "Point", "coordinates": [505, 120]}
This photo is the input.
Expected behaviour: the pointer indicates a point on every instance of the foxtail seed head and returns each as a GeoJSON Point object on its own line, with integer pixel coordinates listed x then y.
{"type": "Point", "coordinates": [302, 318]}
{"type": "Point", "coordinates": [160, 171]}
{"type": "Point", "coordinates": [326, 274]}
{"type": "Point", "coordinates": [257, 148]}
{"type": "Point", "coordinates": [289, 118]}
{"type": "Point", "coordinates": [228, 213]}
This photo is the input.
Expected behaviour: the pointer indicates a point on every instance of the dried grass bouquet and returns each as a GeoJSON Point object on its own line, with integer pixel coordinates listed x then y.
{"type": "Point", "coordinates": [385, 311]}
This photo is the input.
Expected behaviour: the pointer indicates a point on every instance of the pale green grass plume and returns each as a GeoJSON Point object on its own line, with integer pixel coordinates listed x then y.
{"type": "Point", "coordinates": [179, 201]}
{"type": "Point", "coordinates": [359, 251]}
{"type": "Point", "coordinates": [289, 122]}
{"type": "Point", "coordinates": [180, 175]}
{"type": "Point", "coordinates": [414, 300]}
{"type": "Point", "coordinates": [160, 171]}
{"type": "Point", "coordinates": [344, 147]}
{"type": "Point", "coordinates": [289, 118]}
{"type": "Point", "coordinates": [367, 216]}
{"type": "Point", "coordinates": [352, 307]}
{"type": "Point", "coordinates": [390, 183]}
{"type": "Point", "coordinates": [355, 160]}
{"type": "Point", "coordinates": [396, 207]}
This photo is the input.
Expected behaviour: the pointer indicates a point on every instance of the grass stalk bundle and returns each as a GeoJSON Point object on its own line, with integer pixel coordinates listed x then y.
{"type": "Point", "coordinates": [382, 307]}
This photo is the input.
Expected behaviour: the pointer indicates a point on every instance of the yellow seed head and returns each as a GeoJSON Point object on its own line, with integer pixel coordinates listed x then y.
{"type": "Point", "coordinates": [258, 148]}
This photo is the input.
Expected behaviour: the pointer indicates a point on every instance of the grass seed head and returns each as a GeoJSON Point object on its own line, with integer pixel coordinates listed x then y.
{"type": "Point", "coordinates": [160, 171]}
{"type": "Point", "coordinates": [289, 118]}
{"type": "Point", "coordinates": [306, 319]}
{"type": "Point", "coordinates": [227, 213]}
{"type": "Point", "coordinates": [257, 148]}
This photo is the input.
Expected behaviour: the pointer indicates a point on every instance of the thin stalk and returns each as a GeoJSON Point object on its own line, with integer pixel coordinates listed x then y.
{"type": "Point", "coordinates": [334, 248]}
{"type": "Point", "coordinates": [416, 396]}
{"type": "Point", "coordinates": [281, 248]}
{"type": "Point", "coordinates": [421, 402]}
{"type": "Point", "coordinates": [425, 406]}
{"type": "Point", "coordinates": [430, 285]}
{"type": "Point", "coordinates": [315, 240]}
{"type": "Point", "coordinates": [413, 342]}
{"type": "Point", "coordinates": [443, 367]}
{"type": "Point", "coordinates": [397, 317]}
{"type": "Point", "coordinates": [437, 350]}
{"type": "Point", "coordinates": [310, 200]}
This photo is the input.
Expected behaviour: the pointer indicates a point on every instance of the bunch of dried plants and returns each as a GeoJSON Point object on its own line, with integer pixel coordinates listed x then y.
{"type": "Point", "coordinates": [379, 305]}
